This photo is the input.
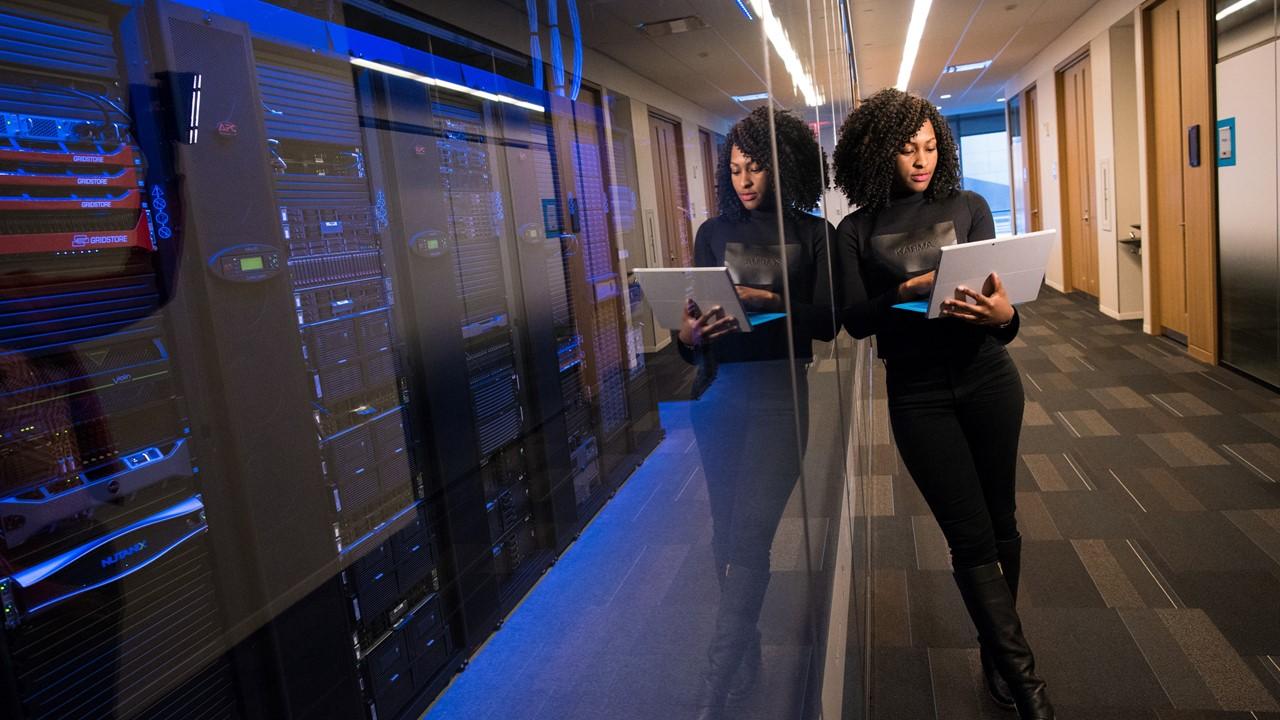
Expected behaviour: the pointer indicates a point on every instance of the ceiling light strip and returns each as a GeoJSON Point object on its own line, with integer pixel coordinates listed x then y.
{"type": "Point", "coordinates": [436, 82]}
{"type": "Point", "coordinates": [967, 67]}
{"type": "Point", "coordinates": [742, 6]}
{"type": "Point", "coordinates": [800, 79]}
{"type": "Point", "coordinates": [915, 31]}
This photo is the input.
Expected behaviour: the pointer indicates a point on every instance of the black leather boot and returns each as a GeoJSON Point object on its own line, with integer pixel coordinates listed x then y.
{"type": "Point", "coordinates": [744, 682]}
{"type": "Point", "coordinates": [741, 598]}
{"type": "Point", "coordinates": [1010, 554]}
{"type": "Point", "coordinates": [990, 604]}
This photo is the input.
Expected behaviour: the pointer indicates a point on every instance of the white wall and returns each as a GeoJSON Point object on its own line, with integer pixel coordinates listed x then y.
{"type": "Point", "coordinates": [1092, 27]}
{"type": "Point", "coordinates": [1128, 206]}
{"type": "Point", "coordinates": [1115, 170]}
{"type": "Point", "coordinates": [1104, 157]}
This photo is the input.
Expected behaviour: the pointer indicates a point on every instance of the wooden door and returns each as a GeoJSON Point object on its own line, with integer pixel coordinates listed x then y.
{"type": "Point", "coordinates": [1167, 236]}
{"type": "Point", "coordinates": [672, 191]}
{"type": "Point", "coordinates": [1080, 236]}
{"type": "Point", "coordinates": [1031, 140]}
{"type": "Point", "coordinates": [708, 146]}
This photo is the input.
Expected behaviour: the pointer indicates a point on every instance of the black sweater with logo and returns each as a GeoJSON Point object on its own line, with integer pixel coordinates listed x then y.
{"type": "Point", "coordinates": [750, 249]}
{"type": "Point", "coordinates": [880, 250]}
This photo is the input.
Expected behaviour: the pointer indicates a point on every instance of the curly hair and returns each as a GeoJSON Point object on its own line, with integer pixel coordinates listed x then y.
{"type": "Point", "coordinates": [872, 136]}
{"type": "Point", "coordinates": [802, 173]}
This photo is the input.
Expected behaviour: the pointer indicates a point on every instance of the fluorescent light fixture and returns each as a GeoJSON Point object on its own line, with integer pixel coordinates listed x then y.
{"type": "Point", "coordinates": [436, 82]}
{"type": "Point", "coordinates": [1232, 9]}
{"type": "Point", "coordinates": [753, 96]}
{"type": "Point", "coordinates": [967, 67]}
{"type": "Point", "coordinates": [945, 97]}
{"type": "Point", "coordinates": [800, 79]}
{"type": "Point", "coordinates": [745, 11]}
{"type": "Point", "coordinates": [999, 99]}
{"type": "Point", "coordinates": [915, 31]}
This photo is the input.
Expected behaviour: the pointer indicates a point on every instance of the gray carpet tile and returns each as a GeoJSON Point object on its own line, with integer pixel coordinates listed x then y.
{"type": "Point", "coordinates": [1149, 503]}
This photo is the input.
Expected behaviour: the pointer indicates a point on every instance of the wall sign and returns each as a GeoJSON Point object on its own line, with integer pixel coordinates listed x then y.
{"type": "Point", "coordinates": [1226, 142]}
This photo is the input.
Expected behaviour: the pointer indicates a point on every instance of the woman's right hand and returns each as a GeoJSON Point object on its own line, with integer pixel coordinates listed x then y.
{"type": "Point", "coordinates": [698, 327]}
{"type": "Point", "coordinates": [917, 287]}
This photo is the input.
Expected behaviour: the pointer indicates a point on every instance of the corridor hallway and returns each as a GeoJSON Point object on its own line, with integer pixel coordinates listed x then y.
{"type": "Point", "coordinates": [1150, 509]}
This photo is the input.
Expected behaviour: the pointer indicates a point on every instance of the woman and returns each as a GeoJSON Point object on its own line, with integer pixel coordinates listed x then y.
{"type": "Point", "coordinates": [955, 395]}
{"type": "Point", "coordinates": [745, 418]}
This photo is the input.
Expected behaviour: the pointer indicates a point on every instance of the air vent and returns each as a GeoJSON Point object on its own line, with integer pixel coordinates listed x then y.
{"type": "Point", "coordinates": [672, 27]}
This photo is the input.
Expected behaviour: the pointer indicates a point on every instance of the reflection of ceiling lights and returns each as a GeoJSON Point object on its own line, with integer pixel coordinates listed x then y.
{"type": "Point", "coordinates": [751, 97]}
{"type": "Point", "coordinates": [945, 97]}
{"type": "Point", "coordinates": [1232, 9]}
{"type": "Point", "coordinates": [915, 31]}
{"type": "Point", "coordinates": [436, 82]}
{"type": "Point", "coordinates": [745, 11]}
{"type": "Point", "coordinates": [800, 79]}
{"type": "Point", "coordinates": [967, 67]}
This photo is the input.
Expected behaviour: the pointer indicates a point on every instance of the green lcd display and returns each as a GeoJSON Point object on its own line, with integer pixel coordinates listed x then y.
{"type": "Point", "coordinates": [251, 263]}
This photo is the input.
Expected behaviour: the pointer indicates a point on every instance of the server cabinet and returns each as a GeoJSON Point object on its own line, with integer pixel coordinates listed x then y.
{"type": "Point", "coordinates": [307, 370]}
{"type": "Point", "coordinates": [447, 216]}
{"type": "Point", "coordinates": [291, 309]}
{"type": "Point", "coordinates": [110, 602]}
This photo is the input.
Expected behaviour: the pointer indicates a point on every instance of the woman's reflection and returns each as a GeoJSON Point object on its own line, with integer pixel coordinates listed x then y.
{"type": "Point", "coordinates": [745, 418]}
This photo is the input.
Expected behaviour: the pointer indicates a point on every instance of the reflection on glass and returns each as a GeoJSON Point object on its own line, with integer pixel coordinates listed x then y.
{"type": "Point", "coordinates": [320, 353]}
{"type": "Point", "coordinates": [745, 420]}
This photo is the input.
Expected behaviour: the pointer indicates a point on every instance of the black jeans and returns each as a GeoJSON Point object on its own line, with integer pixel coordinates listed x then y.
{"type": "Point", "coordinates": [956, 425]}
{"type": "Point", "coordinates": [745, 425]}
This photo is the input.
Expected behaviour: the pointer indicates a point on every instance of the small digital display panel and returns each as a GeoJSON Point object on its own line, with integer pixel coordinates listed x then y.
{"type": "Point", "coordinates": [251, 263]}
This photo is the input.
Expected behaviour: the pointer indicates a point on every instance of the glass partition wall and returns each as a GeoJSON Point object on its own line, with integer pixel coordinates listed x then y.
{"type": "Point", "coordinates": [329, 387]}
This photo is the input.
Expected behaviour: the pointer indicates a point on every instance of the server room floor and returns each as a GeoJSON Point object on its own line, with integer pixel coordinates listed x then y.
{"type": "Point", "coordinates": [1150, 509]}
{"type": "Point", "coordinates": [1149, 502]}
{"type": "Point", "coordinates": [620, 626]}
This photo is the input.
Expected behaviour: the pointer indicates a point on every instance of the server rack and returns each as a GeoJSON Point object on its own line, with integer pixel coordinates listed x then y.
{"type": "Point", "coordinates": [345, 299]}
{"type": "Point", "coordinates": [109, 599]}
{"type": "Point", "coordinates": [397, 385]}
{"type": "Point", "coordinates": [447, 215]}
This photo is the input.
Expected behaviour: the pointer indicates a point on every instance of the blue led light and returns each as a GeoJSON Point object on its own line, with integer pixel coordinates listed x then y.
{"type": "Point", "coordinates": [126, 573]}
{"type": "Point", "coordinates": [33, 575]}
{"type": "Point", "coordinates": [535, 43]}
{"type": "Point", "coordinates": [743, 7]}
{"type": "Point", "coordinates": [576, 25]}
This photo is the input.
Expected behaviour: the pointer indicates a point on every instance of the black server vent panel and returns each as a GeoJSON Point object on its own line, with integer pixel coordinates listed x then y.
{"type": "Point", "coordinates": [342, 290]}
{"type": "Point", "coordinates": [57, 38]}
{"type": "Point", "coordinates": [571, 348]}
{"type": "Point", "coordinates": [605, 287]}
{"type": "Point", "coordinates": [476, 218]}
{"type": "Point", "coordinates": [148, 644]}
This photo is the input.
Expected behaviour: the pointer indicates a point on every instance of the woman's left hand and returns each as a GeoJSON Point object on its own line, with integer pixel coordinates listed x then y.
{"type": "Point", "coordinates": [990, 307]}
{"type": "Point", "coordinates": [756, 300]}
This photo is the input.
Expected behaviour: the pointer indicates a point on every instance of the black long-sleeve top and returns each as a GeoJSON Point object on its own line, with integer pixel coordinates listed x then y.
{"type": "Point", "coordinates": [750, 249]}
{"type": "Point", "coordinates": [878, 251]}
